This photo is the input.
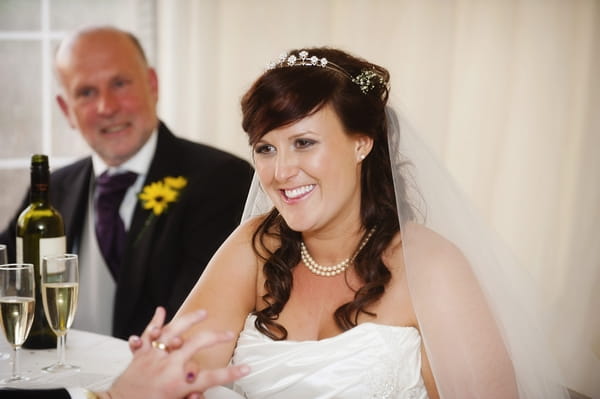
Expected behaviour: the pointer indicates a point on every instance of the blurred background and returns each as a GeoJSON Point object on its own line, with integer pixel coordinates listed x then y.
{"type": "Point", "coordinates": [506, 93]}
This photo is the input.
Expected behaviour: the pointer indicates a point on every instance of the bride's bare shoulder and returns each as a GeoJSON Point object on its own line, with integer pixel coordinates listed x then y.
{"type": "Point", "coordinates": [421, 237]}
{"type": "Point", "coordinates": [246, 230]}
{"type": "Point", "coordinates": [436, 258]}
{"type": "Point", "coordinates": [419, 243]}
{"type": "Point", "coordinates": [247, 235]}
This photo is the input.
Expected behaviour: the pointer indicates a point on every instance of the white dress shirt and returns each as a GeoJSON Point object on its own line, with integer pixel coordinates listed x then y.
{"type": "Point", "coordinates": [96, 284]}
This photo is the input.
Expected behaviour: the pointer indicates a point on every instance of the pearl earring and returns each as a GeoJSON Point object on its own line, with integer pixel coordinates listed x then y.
{"type": "Point", "coordinates": [362, 156]}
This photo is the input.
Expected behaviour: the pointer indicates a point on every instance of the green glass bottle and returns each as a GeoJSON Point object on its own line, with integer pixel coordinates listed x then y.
{"type": "Point", "coordinates": [40, 232]}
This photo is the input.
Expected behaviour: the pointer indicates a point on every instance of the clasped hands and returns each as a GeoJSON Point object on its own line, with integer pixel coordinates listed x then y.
{"type": "Point", "coordinates": [161, 366]}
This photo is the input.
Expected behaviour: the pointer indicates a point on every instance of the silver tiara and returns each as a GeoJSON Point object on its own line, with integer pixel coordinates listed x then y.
{"type": "Point", "coordinates": [286, 59]}
{"type": "Point", "coordinates": [365, 80]}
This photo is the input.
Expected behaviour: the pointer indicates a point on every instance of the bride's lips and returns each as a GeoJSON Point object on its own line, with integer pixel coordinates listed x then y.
{"type": "Point", "coordinates": [297, 193]}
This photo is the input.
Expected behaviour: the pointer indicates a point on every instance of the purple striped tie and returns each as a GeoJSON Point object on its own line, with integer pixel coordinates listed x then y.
{"type": "Point", "coordinates": [110, 230]}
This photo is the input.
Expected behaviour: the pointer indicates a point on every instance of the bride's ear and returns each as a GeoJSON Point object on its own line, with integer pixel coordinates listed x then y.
{"type": "Point", "coordinates": [363, 147]}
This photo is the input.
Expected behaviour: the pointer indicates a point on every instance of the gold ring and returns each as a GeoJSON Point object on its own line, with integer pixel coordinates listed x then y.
{"type": "Point", "coordinates": [160, 345]}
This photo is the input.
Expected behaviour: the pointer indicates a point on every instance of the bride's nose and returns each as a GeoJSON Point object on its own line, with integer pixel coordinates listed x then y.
{"type": "Point", "coordinates": [286, 166]}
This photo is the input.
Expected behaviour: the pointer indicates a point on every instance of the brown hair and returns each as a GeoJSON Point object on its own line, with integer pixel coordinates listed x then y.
{"type": "Point", "coordinates": [284, 95]}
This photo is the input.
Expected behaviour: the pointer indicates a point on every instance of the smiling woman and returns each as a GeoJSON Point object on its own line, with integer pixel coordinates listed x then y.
{"type": "Point", "coordinates": [341, 274]}
{"type": "Point", "coordinates": [505, 93]}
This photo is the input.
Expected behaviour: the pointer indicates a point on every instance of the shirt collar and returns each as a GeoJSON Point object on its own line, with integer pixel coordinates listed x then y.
{"type": "Point", "coordinates": [139, 163]}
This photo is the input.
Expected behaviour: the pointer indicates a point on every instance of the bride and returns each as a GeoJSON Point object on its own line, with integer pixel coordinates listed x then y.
{"type": "Point", "coordinates": [357, 273]}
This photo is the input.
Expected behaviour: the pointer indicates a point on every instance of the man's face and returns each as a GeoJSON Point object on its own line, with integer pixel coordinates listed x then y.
{"type": "Point", "coordinates": [109, 93]}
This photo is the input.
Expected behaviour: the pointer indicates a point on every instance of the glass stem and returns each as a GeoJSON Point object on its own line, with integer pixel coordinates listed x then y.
{"type": "Point", "coordinates": [16, 363]}
{"type": "Point", "coordinates": [62, 355]}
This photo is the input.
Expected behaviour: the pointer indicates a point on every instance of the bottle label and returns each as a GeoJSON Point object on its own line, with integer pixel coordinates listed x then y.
{"type": "Point", "coordinates": [48, 246]}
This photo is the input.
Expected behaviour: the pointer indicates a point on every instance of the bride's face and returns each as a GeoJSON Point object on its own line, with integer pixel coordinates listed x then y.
{"type": "Point", "coordinates": [311, 170]}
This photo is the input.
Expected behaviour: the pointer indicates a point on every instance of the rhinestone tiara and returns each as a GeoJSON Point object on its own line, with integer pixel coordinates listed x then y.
{"type": "Point", "coordinates": [365, 80]}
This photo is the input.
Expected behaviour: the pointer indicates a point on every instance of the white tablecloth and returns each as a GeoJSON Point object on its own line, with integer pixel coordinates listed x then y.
{"type": "Point", "coordinates": [101, 359]}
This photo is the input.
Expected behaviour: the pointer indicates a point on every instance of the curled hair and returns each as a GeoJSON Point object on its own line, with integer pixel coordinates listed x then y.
{"type": "Point", "coordinates": [285, 95]}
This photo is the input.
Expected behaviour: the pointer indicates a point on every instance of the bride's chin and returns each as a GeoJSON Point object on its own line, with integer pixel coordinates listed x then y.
{"type": "Point", "coordinates": [296, 224]}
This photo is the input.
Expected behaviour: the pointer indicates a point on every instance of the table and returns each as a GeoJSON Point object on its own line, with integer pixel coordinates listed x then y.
{"type": "Point", "coordinates": [101, 359]}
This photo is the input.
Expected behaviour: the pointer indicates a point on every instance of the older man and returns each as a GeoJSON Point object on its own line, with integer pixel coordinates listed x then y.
{"type": "Point", "coordinates": [137, 251]}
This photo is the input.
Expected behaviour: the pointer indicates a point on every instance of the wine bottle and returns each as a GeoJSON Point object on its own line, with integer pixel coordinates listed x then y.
{"type": "Point", "coordinates": [40, 232]}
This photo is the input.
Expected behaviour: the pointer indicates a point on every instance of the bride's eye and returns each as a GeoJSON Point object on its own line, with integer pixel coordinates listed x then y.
{"type": "Point", "coordinates": [264, 149]}
{"type": "Point", "coordinates": [304, 143]}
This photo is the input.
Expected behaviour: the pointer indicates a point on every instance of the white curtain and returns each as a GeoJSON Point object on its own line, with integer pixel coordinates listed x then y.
{"type": "Point", "coordinates": [506, 92]}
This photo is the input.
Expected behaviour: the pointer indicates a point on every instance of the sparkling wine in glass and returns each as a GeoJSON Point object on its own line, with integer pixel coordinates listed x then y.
{"type": "Point", "coordinates": [17, 304]}
{"type": "Point", "coordinates": [60, 289]}
{"type": "Point", "coordinates": [3, 261]}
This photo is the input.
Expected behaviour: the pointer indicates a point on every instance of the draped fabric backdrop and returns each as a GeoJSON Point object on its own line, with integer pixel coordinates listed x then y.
{"type": "Point", "coordinates": [507, 93]}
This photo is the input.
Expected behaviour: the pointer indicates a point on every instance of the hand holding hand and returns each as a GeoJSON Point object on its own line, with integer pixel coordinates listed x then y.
{"type": "Point", "coordinates": [160, 358]}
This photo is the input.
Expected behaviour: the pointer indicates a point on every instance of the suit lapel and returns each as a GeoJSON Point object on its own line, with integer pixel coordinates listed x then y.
{"type": "Point", "coordinates": [160, 167]}
{"type": "Point", "coordinates": [72, 198]}
{"type": "Point", "coordinates": [141, 237]}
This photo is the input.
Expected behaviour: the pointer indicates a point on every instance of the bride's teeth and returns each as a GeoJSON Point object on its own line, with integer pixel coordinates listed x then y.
{"type": "Point", "coordinates": [297, 192]}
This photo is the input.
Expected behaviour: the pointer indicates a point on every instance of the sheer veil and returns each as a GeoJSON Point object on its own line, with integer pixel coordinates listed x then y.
{"type": "Point", "coordinates": [477, 310]}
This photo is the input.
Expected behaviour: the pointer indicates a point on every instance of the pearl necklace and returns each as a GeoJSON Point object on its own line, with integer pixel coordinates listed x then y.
{"type": "Point", "coordinates": [328, 271]}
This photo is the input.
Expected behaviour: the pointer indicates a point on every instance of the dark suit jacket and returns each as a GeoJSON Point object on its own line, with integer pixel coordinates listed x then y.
{"type": "Point", "coordinates": [8, 393]}
{"type": "Point", "coordinates": [162, 265]}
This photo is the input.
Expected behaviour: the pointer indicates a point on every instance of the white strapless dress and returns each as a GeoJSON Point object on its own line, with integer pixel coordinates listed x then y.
{"type": "Point", "coordinates": [367, 361]}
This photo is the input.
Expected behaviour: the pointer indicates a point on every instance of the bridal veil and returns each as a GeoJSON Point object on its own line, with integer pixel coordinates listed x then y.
{"type": "Point", "coordinates": [477, 309]}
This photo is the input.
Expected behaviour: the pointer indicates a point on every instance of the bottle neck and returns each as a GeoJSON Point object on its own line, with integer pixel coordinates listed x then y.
{"type": "Point", "coordinates": [40, 185]}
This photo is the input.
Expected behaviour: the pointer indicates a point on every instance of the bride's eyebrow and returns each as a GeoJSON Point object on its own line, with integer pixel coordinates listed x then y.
{"type": "Point", "coordinates": [302, 133]}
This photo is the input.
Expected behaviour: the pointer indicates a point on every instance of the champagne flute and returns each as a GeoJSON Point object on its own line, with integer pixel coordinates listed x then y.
{"type": "Point", "coordinates": [60, 288]}
{"type": "Point", "coordinates": [17, 301]}
{"type": "Point", "coordinates": [3, 255]}
{"type": "Point", "coordinates": [3, 261]}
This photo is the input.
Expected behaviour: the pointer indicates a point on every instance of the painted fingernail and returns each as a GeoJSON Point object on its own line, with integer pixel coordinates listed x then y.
{"type": "Point", "coordinates": [190, 377]}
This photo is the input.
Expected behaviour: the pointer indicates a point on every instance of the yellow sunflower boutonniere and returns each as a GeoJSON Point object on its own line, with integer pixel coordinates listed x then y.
{"type": "Point", "coordinates": [158, 195]}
